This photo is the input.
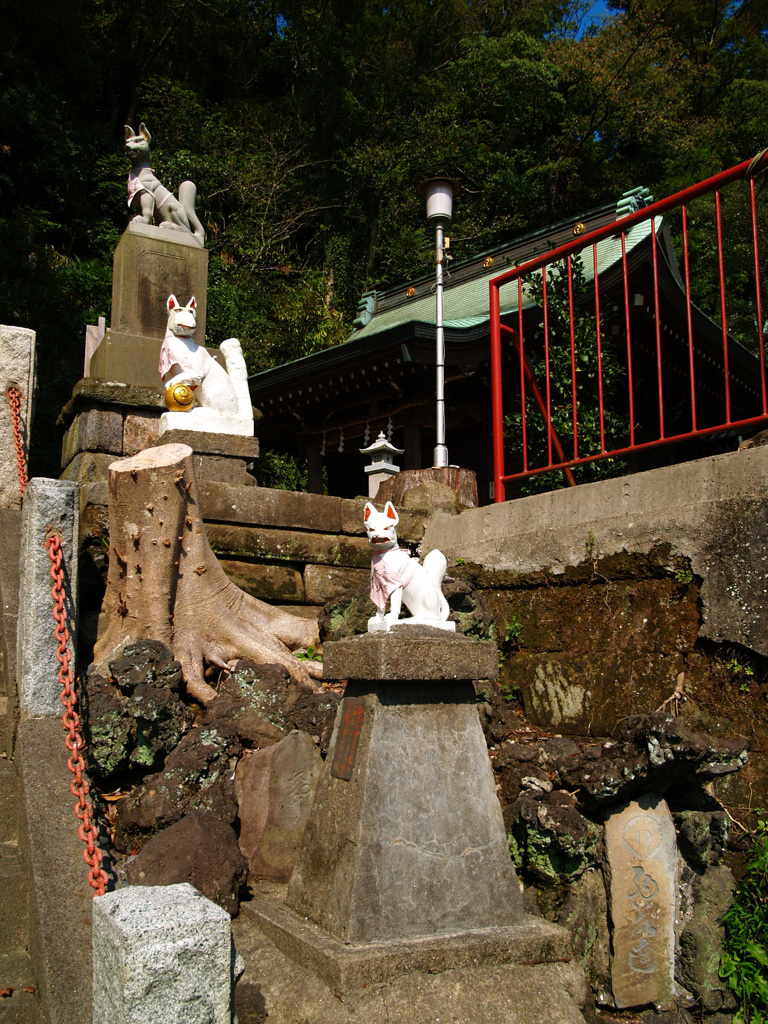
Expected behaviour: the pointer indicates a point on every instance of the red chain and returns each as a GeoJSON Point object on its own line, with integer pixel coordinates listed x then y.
{"type": "Point", "coordinates": [97, 877]}
{"type": "Point", "coordinates": [14, 399]}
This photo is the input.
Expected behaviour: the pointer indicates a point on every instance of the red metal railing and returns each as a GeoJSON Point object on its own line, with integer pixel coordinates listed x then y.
{"type": "Point", "coordinates": [611, 374]}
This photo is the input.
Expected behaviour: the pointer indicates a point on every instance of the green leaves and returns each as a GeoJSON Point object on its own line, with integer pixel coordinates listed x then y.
{"type": "Point", "coordinates": [745, 959]}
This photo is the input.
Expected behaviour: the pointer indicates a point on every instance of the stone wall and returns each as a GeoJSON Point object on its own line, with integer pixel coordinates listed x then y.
{"type": "Point", "coordinates": [625, 596]}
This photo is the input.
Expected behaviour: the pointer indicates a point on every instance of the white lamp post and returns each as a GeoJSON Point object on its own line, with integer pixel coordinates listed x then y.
{"type": "Point", "coordinates": [439, 195]}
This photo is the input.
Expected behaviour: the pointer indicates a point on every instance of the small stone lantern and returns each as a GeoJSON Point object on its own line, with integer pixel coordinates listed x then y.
{"type": "Point", "coordinates": [382, 466]}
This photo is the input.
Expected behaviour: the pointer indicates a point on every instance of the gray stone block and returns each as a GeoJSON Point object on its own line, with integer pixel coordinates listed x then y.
{"type": "Point", "coordinates": [326, 582]}
{"type": "Point", "coordinates": [205, 443]}
{"type": "Point", "coordinates": [267, 582]}
{"type": "Point", "coordinates": [161, 954]}
{"type": "Point", "coordinates": [406, 837]}
{"type": "Point", "coordinates": [93, 430]}
{"type": "Point", "coordinates": [285, 545]}
{"type": "Point", "coordinates": [140, 430]}
{"type": "Point", "coordinates": [10, 544]}
{"type": "Point", "coordinates": [49, 505]}
{"type": "Point", "coordinates": [349, 967]}
{"type": "Point", "coordinates": [284, 990]}
{"type": "Point", "coordinates": [263, 506]}
{"type": "Point", "coordinates": [87, 468]}
{"type": "Point", "coordinates": [410, 652]}
{"type": "Point", "coordinates": [17, 367]}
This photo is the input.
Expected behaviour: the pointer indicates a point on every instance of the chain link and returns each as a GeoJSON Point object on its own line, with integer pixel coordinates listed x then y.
{"type": "Point", "coordinates": [97, 877]}
{"type": "Point", "coordinates": [14, 400]}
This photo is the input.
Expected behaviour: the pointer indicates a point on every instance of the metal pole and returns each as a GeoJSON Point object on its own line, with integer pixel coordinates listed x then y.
{"type": "Point", "coordinates": [440, 457]}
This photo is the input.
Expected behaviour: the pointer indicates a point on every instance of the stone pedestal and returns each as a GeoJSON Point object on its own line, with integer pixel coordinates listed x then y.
{"type": "Point", "coordinates": [404, 868]}
{"type": "Point", "coordinates": [150, 263]}
{"type": "Point", "coordinates": [224, 458]}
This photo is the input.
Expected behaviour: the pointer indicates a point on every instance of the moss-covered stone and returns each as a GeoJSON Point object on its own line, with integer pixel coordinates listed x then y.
{"type": "Point", "coordinates": [551, 841]}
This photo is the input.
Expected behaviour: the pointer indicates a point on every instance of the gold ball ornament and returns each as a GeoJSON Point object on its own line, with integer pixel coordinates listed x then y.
{"type": "Point", "coordinates": [179, 397]}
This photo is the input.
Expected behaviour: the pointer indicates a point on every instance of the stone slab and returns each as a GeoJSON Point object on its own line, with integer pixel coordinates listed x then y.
{"type": "Point", "coordinates": [222, 469]}
{"type": "Point", "coordinates": [48, 505]}
{"type": "Point", "coordinates": [348, 967]}
{"type": "Point", "coordinates": [17, 367]}
{"type": "Point", "coordinates": [284, 991]}
{"type": "Point", "coordinates": [204, 442]}
{"type": "Point", "coordinates": [53, 852]}
{"type": "Point", "coordinates": [228, 539]}
{"type": "Point", "coordinates": [410, 653]}
{"type": "Point", "coordinates": [409, 841]}
{"type": "Point", "coordinates": [274, 789]}
{"type": "Point", "coordinates": [129, 359]}
{"type": "Point", "coordinates": [642, 857]}
{"type": "Point", "coordinates": [267, 582]}
{"type": "Point", "coordinates": [147, 268]}
{"type": "Point", "coordinates": [88, 468]}
{"type": "Point", "coordinates": [326, 582]}
{"type": "Point", "coordinates": [90, 390]}
{"type": "Point", "coordinates": [160, 953]}
{"type": "Point", "coordinates": [98, 429]}
{"type": "Point", "coordinates": [265, 506]}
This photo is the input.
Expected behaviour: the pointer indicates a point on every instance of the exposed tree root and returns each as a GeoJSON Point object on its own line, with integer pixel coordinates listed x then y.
{"type": "Point", "coordinates": [165, 583]}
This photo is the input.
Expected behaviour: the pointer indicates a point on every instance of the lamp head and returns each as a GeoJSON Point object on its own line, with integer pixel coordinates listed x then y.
{"type": "Point", "coordinates": [439, 195]}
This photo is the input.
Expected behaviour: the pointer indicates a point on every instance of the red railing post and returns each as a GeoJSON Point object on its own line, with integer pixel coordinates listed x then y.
{"type": "Point", "coordinates": [496, 392]}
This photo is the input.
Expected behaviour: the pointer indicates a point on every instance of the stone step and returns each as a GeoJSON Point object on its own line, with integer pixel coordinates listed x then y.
{"type": "Point", "coordinates": [19, 998]}
{"type": "Point", "coordinates": [14, 911]}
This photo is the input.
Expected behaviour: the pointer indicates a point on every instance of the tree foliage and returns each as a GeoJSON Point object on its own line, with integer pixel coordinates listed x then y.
{"type": "Point", "coordinates": [307, 125]}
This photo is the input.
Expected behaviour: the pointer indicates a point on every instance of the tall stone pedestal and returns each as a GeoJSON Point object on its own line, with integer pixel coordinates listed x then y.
{"type": "Point", "coordinates": [150, 263]}
{"type": "Point", "coordinates": [405, 870]}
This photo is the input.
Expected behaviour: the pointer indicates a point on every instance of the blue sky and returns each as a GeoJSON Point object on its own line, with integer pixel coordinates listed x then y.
{"type": "Point", "coordinates": [597, 11]}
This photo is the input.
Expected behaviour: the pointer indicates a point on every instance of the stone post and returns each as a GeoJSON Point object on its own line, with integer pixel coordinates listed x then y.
{"type": "Point", "coordinates": [642, 859]}
{"type": "Point", "coordinates": [17, 367]}
{"type": "Point", "coordinates": [161, 955]}
{"type": "Point", "coordinates": [52, 850]}
{"type": "Point", "coordinates": [49, 505]}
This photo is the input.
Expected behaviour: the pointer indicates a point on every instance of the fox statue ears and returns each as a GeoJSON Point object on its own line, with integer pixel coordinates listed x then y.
{"type": "Point", "coordinates": [389, 511]}
{"type": "Point", "coordinates": [173, 303]}
{"type": "Point", "coordinates": [129, 133]}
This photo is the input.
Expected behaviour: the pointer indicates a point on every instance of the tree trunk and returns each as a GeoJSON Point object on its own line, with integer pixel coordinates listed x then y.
{"type": "Point", "coordinates": [165, 583]}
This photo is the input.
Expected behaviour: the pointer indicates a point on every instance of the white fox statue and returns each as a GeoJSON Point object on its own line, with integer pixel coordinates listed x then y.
{"type": "Point", "coordinates": [400, 579]}
{"type": "Point", "coordinates": [191, 374]}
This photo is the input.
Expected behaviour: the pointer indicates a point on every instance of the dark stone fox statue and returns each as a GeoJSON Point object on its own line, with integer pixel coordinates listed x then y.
{"type": "Point", "coordinates": [150, 200]}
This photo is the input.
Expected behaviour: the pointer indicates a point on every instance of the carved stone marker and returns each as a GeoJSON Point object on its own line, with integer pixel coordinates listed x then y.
{"type": "Point", "coordinates": [642, 855]}
{"type": "Point", "coordinates": [275, 788]}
